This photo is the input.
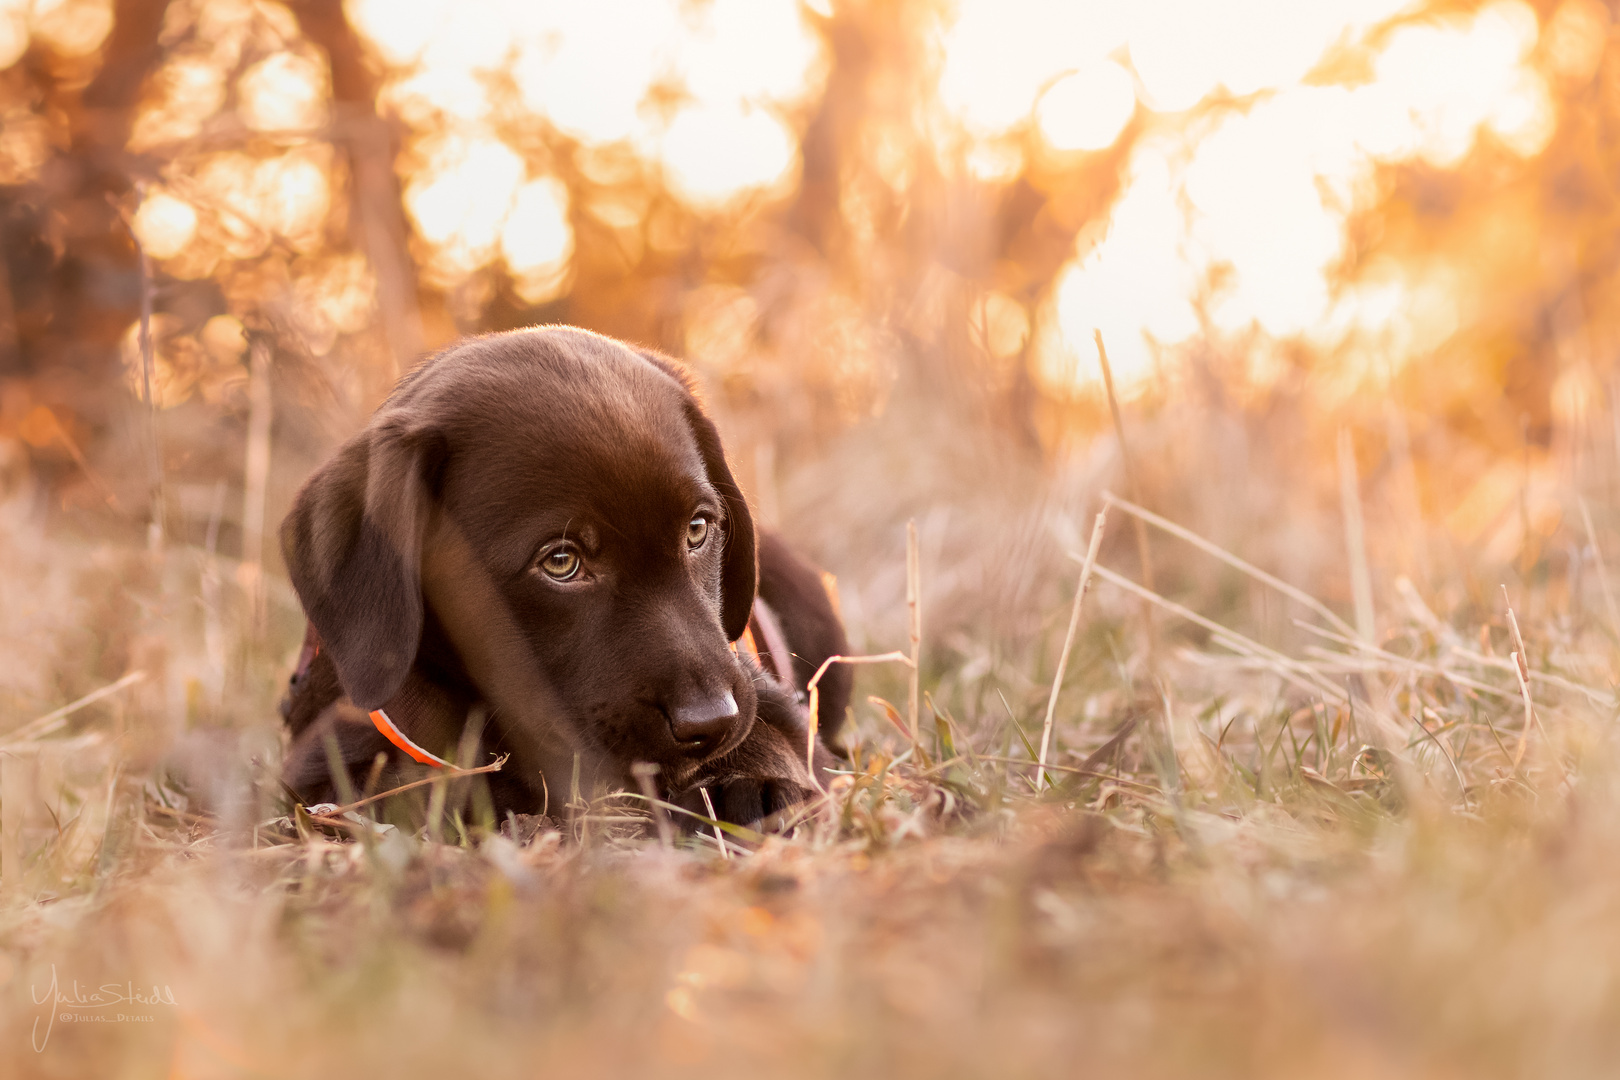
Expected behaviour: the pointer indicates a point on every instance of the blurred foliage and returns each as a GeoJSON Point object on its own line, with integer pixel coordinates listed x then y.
{"type": "Point", "coordinates": [817, 205]}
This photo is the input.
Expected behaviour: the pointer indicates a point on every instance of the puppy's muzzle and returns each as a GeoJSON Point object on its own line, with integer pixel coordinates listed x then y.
{"type": "Point", "coordinates": [701, 724]}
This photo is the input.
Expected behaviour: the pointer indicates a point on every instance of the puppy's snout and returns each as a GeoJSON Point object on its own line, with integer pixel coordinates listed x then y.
{"type": "Point", "coordinates": [703, 722]}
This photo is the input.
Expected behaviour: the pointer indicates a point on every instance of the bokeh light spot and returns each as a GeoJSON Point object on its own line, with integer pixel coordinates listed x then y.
{"type": "Point", "coordinates": [712, 153]}
{"type": "Point", "coordinates": [165, 224]}
{"type": "Point", "coordinates": [284, 92]}
{"type": "Point", "coordinates": [461, 198]}
{"type": "Point", "coordinates": [1088, 109]}
{"type": "Point", "coordinates": [13, 32]}
{"type": "Point", "coordinates": [537, 239]}
{"type": "Point", "coordinates": [73, 27]}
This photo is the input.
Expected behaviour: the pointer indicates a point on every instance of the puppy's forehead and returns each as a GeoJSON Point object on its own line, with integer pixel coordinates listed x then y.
{"type": "Point", "coordinates": [600, 399]}
{"type": "Point", "coordinates": [560, 419]}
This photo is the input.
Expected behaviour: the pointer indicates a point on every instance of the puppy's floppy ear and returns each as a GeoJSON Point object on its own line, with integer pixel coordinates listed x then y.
{"type": "Point", "coordinates": [739, 569]}
{"type": "Point", "coordinates": [353, 547]}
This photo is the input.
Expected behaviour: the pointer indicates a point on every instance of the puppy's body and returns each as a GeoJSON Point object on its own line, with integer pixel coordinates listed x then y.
{"type": "Point", "coordinates": [539, 528]}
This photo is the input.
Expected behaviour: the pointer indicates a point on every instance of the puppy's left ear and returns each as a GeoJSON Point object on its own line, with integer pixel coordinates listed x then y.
{"type": "Point", "coordinates": [739, 568]}
{"type": "Point", "coordinates": [353, 545]}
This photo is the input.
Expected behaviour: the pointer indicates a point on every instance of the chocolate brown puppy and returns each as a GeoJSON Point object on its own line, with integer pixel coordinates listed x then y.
{"type": "Point", "coordinates": [536, 548]}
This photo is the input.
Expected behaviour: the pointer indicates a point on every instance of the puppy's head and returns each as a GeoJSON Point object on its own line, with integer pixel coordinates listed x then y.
{"type": "Point", "coordinates": [548, 514]}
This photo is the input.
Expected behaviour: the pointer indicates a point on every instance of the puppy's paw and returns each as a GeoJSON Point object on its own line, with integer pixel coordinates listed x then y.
{"type": "Point", "coordinates": [763, 782]}
{"type": "Point", "coordinates": [764, 804]}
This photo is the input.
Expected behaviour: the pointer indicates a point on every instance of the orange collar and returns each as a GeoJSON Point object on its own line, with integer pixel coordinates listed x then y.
{"type": "Point", "coordinates": [745, 644]}
{"type": "Point", "coordinates": [391, 732]}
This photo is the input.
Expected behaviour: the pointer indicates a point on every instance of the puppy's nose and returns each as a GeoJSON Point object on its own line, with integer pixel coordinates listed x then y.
{"type": "Point", "coordinates": [703, 722]}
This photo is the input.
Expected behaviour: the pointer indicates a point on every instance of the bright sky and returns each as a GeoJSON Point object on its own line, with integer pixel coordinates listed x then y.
{"type": "Point", "coordinates": [1258, 199]}
{"type": "Point", "coordinates": [1236, 217]}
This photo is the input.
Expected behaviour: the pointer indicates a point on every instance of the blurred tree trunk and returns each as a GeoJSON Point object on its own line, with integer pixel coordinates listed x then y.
{"type": "Point", "coordinates": [70, 268]}
{"type": "Point", "coordinates": [131, 51]}
{"type": "Point", "coordinates": [943, 239]}
{"type": "Point", "coordinates": [369, 144]}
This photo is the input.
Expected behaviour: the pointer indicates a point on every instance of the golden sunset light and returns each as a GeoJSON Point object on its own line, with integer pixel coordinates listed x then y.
{"type": "Point", "coordinates": [893, 538]}
{"type": "Point", "coordinates": [1263, 133]}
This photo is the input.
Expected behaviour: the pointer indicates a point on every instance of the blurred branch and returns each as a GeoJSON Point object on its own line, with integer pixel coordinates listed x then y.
{"type": "Point", "coordinates": [148, 359]}
{"type": "Point", "coordinates": [105, 111]}
{"type": "Point", "coordinates": [131, 52]}
{"type": "Point", "coordinates": [10, 339]}
{"type": "Point", "coordinates": [376, 191]}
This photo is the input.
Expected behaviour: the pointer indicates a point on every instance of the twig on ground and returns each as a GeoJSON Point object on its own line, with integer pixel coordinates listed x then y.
{"type": "Point", "coordinates": [439, 774]}
{"type": "Point", "coordinates": [719, 837]}
{"type": "Point", "coordinates": [644, 771]}
{"type": "Point", "coordinates": [1068, 641]}
{"type": "Point", "coordinates": [1521, 669]}
{"type": "Point", "coordinates": [813, 688]}
{"type": "Point", "coordinates": [742, 832]}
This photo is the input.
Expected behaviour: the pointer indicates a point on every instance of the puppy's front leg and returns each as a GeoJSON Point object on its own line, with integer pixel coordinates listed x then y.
{"type": "Point", "coordinates": [307, 770]}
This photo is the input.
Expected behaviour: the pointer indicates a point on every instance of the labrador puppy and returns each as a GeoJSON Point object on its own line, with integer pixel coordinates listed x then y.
{"type": "Point", "coordinates": [536, 548]}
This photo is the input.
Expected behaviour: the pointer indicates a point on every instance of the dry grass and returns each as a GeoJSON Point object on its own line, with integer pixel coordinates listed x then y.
{"type": "Point", "coordinates": [1270, 843]}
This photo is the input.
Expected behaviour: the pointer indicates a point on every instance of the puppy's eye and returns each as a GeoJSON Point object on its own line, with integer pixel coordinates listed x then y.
{"type": "Point", "coordinates": [697, 531]}
{"type": "Point", "coordinates": [561, 563]}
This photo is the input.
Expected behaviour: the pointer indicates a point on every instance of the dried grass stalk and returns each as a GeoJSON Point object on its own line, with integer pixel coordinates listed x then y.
{"type": "Point", "coordinates": [914, 611]}
{"type": "Point", "coordinates": [1068, 641]}
{"type": "Point", "coordinates": [1355, 539]}
{"type": "Point", "coordinates": [813, 688]}
{"type": "Point", "coordinates": [255, 480]}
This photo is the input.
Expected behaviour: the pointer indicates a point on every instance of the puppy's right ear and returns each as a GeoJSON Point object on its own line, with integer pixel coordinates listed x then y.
{"type": "Point", "coordinates": [353, 547]}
